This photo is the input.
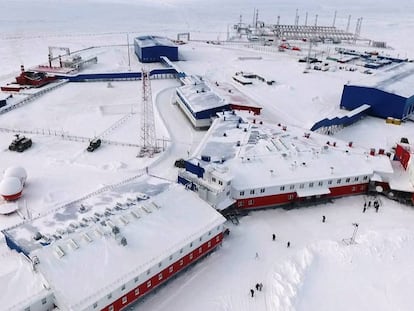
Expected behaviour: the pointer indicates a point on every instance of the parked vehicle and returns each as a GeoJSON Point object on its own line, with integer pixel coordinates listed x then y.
{"type": "Point", "coordinates": [94, 144]}
{"type": "Point", "coordinates": [20, 143]}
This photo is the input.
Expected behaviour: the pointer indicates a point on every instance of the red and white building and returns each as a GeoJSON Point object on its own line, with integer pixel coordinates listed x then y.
{"type": "Point", "coordinates": [114, 248]}
{"type": "Point", "coordinates": [246, 163]}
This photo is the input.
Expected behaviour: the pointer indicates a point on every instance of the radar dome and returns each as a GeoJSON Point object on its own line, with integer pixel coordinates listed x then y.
{"type": "Point", "coordinates": [18, 172]}
{"type": "Point", "coordinates": [11, 188]}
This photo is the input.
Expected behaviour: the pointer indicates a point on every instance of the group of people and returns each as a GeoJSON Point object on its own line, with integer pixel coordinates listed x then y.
{"type": "Point", "coordinates": [367, 205]}
{"type": "Point", "coordinates": [259, 287]}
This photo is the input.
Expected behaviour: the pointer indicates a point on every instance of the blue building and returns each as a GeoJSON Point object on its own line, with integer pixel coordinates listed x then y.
{"type": "Point", "coordinates": [391, 97]}
{"type": "Point", "coordinates": [200, 104]}
{"type": "Point", "coordinates": [3, 99]}
{"type": "Point", "coordinates": [149, 49]}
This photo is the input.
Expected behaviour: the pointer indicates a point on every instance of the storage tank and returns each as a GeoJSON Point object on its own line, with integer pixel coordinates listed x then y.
{"type": "Point", "coordinates": [18, 172]}
{"type": "Point", "coordinates": [11, 188]}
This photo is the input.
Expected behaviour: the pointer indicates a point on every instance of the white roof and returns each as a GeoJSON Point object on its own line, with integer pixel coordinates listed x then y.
{"type": "Point", "coordinates": [233, 95]}
{"type": "Point", "coordinates": [4, 96]}
{"type": "Point", "coordinates": [151, 41]}
{"type": "Point", "coordinates": [154, 228]}
{"type": "Point", "coordinates": [398, 80]}
{"type": "Point", "coordinates": [10, 186]}
{"type": "Point", "coordinates": [200, 97]}
{"type": "Point", "coordinates": [270, 156]}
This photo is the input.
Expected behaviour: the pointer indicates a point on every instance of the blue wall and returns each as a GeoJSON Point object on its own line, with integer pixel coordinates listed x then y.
{"type": "Point", "coordinates": [152, 54]}
{"type": "Point", "coordinates": [383, 104]}
{"type": "Point", "coordinates": [195, 169]}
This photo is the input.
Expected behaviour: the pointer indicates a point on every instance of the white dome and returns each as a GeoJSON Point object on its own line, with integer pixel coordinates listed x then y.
{"type": "Point", "coordinates": [16, 171]}
{"type": "Point", "coordinates": [10, 186]}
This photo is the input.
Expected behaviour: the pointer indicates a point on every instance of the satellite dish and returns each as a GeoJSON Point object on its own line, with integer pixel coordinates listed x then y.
{"type": "Point", "coordinates": [379, 189]}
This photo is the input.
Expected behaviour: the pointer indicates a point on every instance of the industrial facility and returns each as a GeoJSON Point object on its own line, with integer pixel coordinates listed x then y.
{"type": "Point", "coordinates": [149, 49]}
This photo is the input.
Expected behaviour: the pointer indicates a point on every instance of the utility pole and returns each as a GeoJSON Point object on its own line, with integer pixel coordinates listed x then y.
{"type": "Point", "coordinates": [129, 56]}
{"type": "Point", "coordinates": [349, 23]}
{"type": "Point", "coordinates": [334, 19]}
{"type": "Point", "coordinates": [306, 19]}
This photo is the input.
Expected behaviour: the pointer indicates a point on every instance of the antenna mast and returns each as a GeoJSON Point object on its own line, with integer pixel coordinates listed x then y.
{"type": "Point", "coordinates": [148, 142]}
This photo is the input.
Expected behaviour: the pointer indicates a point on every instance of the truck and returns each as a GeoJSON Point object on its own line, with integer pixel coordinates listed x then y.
{"type": "Point", "coordinates": [20, 143]}
{"type": "Point", "coordinates": [94, 144]}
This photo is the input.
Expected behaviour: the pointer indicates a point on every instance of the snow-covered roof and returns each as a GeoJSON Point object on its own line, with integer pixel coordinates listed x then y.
{"type": "Point", "coordinates": [233, 96]}
{"type": "Point", "coordinates": [154, 228]}
{"type": "Point", "coordinates": [200, 97]}
{"type": "Point", "coordinates": [151, 41]}
{"type": "Point", "coordinates": [398, 80]}
{"type": "Point", "coordinates": [268, 155]}
{"type": "Point", "coordinates": [4, 96]}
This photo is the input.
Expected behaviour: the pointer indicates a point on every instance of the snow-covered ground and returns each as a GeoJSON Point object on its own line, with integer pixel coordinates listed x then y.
{"type": "Point", "coordinates": [319, 271]}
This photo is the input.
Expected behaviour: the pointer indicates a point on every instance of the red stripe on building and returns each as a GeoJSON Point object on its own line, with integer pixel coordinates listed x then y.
{"type": "Point", "coordinates": [156, 280]}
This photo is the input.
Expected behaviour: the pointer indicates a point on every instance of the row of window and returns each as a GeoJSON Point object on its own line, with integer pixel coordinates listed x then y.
{"type": "Point", "coordinates": [311, 184]}
{"type": "Point", "coordinates": [220, 182]}
{"type": "Point", "coordinates": [160, 275]}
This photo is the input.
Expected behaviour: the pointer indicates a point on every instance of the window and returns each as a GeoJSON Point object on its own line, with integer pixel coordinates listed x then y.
{"type": "Point", "coordinates": [282, 188]}
{"type": "Point", "coordinates": [171, 257]}
{"type": "Point", "coordinates": [171, 269]}
{"type": "Point", "coordinates": [338, 181]}
{"type": "Point", "coordinates": [311, 184]}
{"type": "Point", "coordinates": [109, 296]}
{"type": "Point", "coordinates": [356, 178]}
{"type": "Point", "coordinates": [220, 183]}
{"type": "Point", "coordinates": [209, 244]}
{"type": "Point", "coordinates": [213, 179]}
{"type": "Point", "coordinates": [136, 280]}
{"type": "Point", "coordinates": [301, 186]}
{"type": "Point", "coordinates": [124, 300]}
{"type": "Point", "coordinates": [44, 301]}
{"type": "Point", "coordinates": [136, 291]}
{"type": "Point", "coordinates": [365, 177]}
{"type": "Point", "coordinates": [252, 191]}
{"type": "Point", "coordinates": [160, 277]}
{"type": "Point", "coordinates": [320, 183]}
{"type": "Point", "coordinates": [240, 204]}
{"type": "Point", "coordinates": [209, 233]}
{"type": "Point", "coordinates": [160, 264]}
{"type": "Point", "coordinates": [362, 188]}
{"type": "Point", "coordinates": [149, 284]}
{"type": "Point", "coordinates": [181, 262]}
{"type": "Point", "coordinates": [200, 250]}
{"type": "Point", "coordinates": [191, 244]}
{"type": "Point", "coordinates": [111, 308]}
{"type": "Point", "coordinates": [262, 190]}
{"type": "Point", "coordinates": [228, 183]}
{"type": "Point", "coordinates": [217, 239]}
{"type": "Point", "coordinates": [241, 192]}
{"type": "Point", "coordinates": [181, 251]}
{"type": "Point", "coordinates": [123, 287]}
{"type": "Point", "coordinates": [148, 271]}
{"type": "Point", "coordinates": [250, 202]}
{"type": "Point", "coordinates": [353, 189]}
{"type": "Point", "coordinates": [191, 256]}
{"type": "Point", "coordinates": [348, 180]}
{"type": "Point", "coordinates": [290, 197]}
{"type": "Point", "coordinates": [292, 187]}
{"type": "Point", "coordinates": [200, 239]}
{"type": "Point", "coordinates": [95, 305]}
{"type": "Point", "coordinates": [228, 193]}
{"type": "Point", "coordinates": [329, 182]}
{"type": "Point", "coordinates": [27, 309]}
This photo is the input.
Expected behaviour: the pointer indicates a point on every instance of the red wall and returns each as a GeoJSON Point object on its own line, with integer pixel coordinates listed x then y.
{"type": "Point", "coordinates": [402, 155]}
{"type": "Point", "coordinates": [279, 199]}
{"type": "Point", "coordinates": [166, 274]}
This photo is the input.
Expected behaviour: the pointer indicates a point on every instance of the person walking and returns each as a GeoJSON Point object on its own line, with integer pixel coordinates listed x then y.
{"type": "Point", "coordinates": [257, 286]}
{"type": "Point", "coordinates": [364, 210]}
{"type": "Point", "coordinates": [257, 255]}
{"type": "Point", "coordinates": [252, 292]}
{"type": "Point", "coordinates": [260, 287]}
{"type": "Point", "coordinates": [288, 244]}
{"type": "Point", "coordinates": [323, 218]}
{"type": "Point", "coordinates": [274, 237]}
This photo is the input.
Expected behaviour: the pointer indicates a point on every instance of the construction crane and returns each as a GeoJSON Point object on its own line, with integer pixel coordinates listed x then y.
{"type": "Point", "coordinates": [148, 141]}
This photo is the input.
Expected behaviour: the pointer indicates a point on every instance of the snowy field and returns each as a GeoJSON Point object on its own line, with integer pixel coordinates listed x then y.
{"type": "Point", "coordinates": [319, 271]}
